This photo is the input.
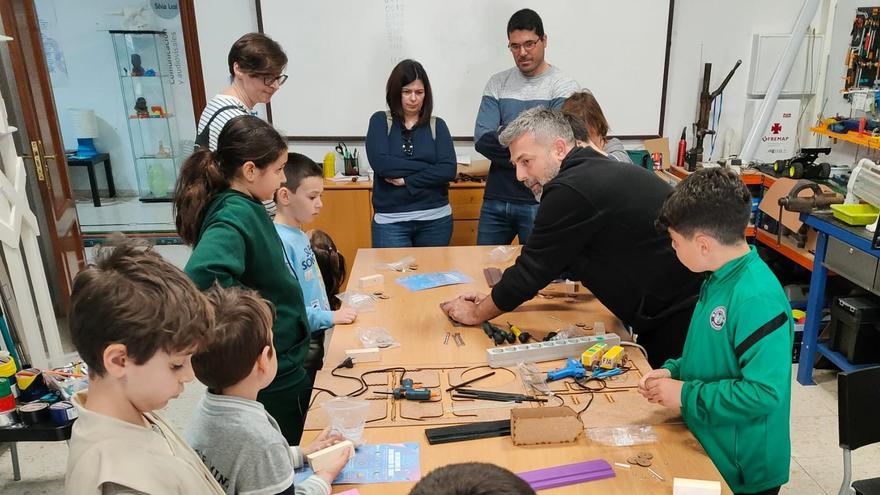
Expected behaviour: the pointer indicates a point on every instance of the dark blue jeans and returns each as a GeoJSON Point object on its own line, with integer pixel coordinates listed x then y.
{"type": "Point", "coordinates": [501, 221]}
{"type": "Point", "coordinates": [413, 233]}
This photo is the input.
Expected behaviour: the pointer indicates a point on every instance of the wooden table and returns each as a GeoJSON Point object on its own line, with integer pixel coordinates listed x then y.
{"type": "Point", "coordinates": [416, 321]}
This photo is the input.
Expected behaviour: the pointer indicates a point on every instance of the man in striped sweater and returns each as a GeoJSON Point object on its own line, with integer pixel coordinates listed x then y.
{"type": "Point", "coordinates": [508, 206]}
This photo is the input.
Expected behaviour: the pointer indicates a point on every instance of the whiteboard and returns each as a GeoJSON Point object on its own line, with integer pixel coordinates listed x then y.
{"type": "Point", "coordinates": [341, 52]}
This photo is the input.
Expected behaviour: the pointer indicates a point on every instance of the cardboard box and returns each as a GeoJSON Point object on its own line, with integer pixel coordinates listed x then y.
{"type": "Point", "coordinates": [542, 425]}
{"type": "Point", "coordinates": [660, 145]}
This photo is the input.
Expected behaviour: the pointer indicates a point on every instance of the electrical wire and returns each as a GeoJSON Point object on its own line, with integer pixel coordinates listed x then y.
{"type": "Point", "coordinates": [637, 346]}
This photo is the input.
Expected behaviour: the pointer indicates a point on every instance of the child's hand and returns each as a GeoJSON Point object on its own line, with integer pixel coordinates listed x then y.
{"type": "Point", "coordinates": [333, 471]}
{"type": "Point", "coordinates": [344, 316]}
{"type": "Point", "coordinates": [325, 439]}
{"type": "Point", "coordinates": [652, 375]}
{"type": "Point", "coordinates": [666, 392]}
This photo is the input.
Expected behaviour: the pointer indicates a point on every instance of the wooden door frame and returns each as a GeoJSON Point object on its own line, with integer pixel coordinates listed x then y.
{"type": "Point", "coordinates": [31, 122]}
{"type": "Point", "coordinates": [193, 57]}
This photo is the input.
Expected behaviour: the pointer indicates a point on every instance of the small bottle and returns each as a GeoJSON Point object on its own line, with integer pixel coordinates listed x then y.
{"type": "Point", "coordinates": [330, 165]}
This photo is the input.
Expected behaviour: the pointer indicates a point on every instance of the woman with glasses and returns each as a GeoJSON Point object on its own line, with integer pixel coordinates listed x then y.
{"type": "Point", "coordinates": [256, 63]}
{"type": "Point", "coordinates": [413, 160]}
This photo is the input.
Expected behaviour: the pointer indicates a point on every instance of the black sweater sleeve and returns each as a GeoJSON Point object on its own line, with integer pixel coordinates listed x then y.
{"type": "Point", "coordinates": [565, 223]}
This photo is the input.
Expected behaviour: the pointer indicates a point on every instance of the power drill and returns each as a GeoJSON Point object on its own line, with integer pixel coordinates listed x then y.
{"type": "Point", "coordinates": [573, 368]}
{"type": "Point", "coordinates": [406, 391]}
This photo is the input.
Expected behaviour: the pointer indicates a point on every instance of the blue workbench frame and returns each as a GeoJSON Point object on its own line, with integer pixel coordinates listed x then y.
{"type": "Point", "coordinates": [816, 298]}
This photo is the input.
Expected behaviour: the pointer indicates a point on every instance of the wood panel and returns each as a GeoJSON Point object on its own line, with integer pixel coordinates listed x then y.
{"type": "Point", "coordinates": [346, 217]}
{"type": "Point", "coordinates": [464, 232]}
{"type": "Point", "coordinates": [466, 203]}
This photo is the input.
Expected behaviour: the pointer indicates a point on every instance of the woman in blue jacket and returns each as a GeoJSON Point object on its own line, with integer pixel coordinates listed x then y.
{"type": "Point", "coordinates": [413, 160]}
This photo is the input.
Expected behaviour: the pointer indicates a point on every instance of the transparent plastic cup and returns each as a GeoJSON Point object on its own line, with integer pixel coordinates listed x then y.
{"type": "Point", "coordinates": [348, 416]}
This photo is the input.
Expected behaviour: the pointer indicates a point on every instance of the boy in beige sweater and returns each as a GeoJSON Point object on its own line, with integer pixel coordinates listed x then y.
{"type": "Point", "coordinates": [135, 320]}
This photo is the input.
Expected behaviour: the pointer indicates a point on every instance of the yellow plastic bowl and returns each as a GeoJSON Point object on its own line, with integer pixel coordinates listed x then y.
{"type": "Point", "coordinates": [861, 214]}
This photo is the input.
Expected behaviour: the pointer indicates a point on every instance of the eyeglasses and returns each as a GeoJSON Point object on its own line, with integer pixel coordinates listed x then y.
{"type": "Point", "coordinates": [528, 45]}
{"type": "Point", "coordinates": [407, 142]}
{"type": "Point", "coordinates": [269, 80]}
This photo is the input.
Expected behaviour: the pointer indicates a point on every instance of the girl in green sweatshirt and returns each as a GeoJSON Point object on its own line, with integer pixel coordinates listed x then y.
{"type": "Point", "coordinates": [219, 213]}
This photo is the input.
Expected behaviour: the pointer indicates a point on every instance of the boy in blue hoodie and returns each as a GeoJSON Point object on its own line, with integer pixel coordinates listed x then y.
{"type": "Point", "coordinates": [299, 202]}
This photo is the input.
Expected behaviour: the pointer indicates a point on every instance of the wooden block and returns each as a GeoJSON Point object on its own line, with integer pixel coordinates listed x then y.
{"type": "Point", "coordinates": [371, 280]}
{"type": "Point", "coordinates": [322, 459]}
{"type": "Point", "coordinates": [366, 355]}
{"type": "Point", "coordinates": [684, 486]}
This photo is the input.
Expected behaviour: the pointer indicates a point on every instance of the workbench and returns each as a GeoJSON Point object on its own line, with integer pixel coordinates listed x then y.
{"type": "Point", "coordinates": [856, 262]}
{"type": "Point", "coordinates": [416, 322]}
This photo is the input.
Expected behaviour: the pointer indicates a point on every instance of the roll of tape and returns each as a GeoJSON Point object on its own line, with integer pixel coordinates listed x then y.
{"type": "Point", "coordinates": [7, 366]}
{"type": "Point", "coordinates": [7, 403]}
{"type": "Point", "coordinates": [31, 385]}
{"type": "Point", "coordinates": [62, 413]}
{"type": "Point", "coordinates": [8, 418]}
{"type": "Point", "coordinates": [34, 413]}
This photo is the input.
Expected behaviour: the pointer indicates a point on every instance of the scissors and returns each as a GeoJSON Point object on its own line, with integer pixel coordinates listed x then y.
{"type": "Point", "coordinates": [342, 149]}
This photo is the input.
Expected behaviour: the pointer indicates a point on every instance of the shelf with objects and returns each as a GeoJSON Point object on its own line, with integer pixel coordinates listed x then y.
{"type": "Point", "coordinates": [143, 68]}
{"type": "Point", "coordinates": [848, 243]}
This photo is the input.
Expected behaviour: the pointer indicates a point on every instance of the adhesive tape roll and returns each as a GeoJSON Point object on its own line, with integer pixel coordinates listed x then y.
{"type": "Point", "coordinates": [31, 385]}
{"type": "Point", "coordinates": [62, 413]}
{"type": "Point", "coordinates": [26, 378]}
{"type": "Point", "coordinates": [33, 413]}
{"type": "Point", "coordinates": [7, 366]}
{"type": "Point", "coordinates": [8, 418]}
{"type": "Point", "coordinates": [7, 403]}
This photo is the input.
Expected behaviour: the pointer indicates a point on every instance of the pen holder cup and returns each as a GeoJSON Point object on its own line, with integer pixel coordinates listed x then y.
{"type": "Point", "coordinates": [351, 166]}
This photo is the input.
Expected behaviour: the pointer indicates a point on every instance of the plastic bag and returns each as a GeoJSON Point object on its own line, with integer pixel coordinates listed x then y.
{"type": "Point", "coordinates": [619, 436]}
{"type": "Point", "coordinates": [534, 379]}
{"type": "Point", "coordinates": [355, 299]}
{"type": "Point", "coordinates": [402, 265]}
{"type": "Point", "coordinates": [376, 337]}
{"type": "Point", "coordinates": [501, 254]}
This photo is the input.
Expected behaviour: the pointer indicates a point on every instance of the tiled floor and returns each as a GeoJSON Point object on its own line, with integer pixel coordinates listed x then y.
{"type": "Point", "coordinates": [124, 214]}
{"type": "Point", "coordinates": [816, 467]}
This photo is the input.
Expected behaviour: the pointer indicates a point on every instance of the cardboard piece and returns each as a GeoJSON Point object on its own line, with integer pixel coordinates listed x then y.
{"type": "Point", "coordinates": [325, 458]}
{"type": "Point", "coordinates": [659, 145]}
{"type": "Point", "coordinates": [542, 425]}
{"type": "Point", "coordinates": [365, 355]}
{"type": "Point", "coordinates": [770, 202]}
{"type": "Point", "coordinates": [685, 486]}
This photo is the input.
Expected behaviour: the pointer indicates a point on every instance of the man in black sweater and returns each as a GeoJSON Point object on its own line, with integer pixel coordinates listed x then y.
{"type": "Point", "coordinates": [596, 221]}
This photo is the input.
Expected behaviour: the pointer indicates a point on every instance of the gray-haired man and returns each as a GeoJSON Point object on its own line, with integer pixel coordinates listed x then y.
{"type": "Point", "coordinates": [595, 220]}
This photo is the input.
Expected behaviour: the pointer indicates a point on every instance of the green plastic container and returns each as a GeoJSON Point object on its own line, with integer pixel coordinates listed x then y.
{"type": "Point", "coordinates": [860, 214]}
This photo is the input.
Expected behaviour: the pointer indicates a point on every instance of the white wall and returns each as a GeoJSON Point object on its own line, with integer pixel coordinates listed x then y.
{"type": "Point", "coordinates": [715, 31]}
{"type": "Point", "coordinates": [719, 32]}
{"type": "Point", "coordinates": [92, 81]}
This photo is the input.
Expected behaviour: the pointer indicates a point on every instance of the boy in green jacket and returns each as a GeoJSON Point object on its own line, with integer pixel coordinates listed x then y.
{"type": "Point", "coordinates": [733, 381]}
